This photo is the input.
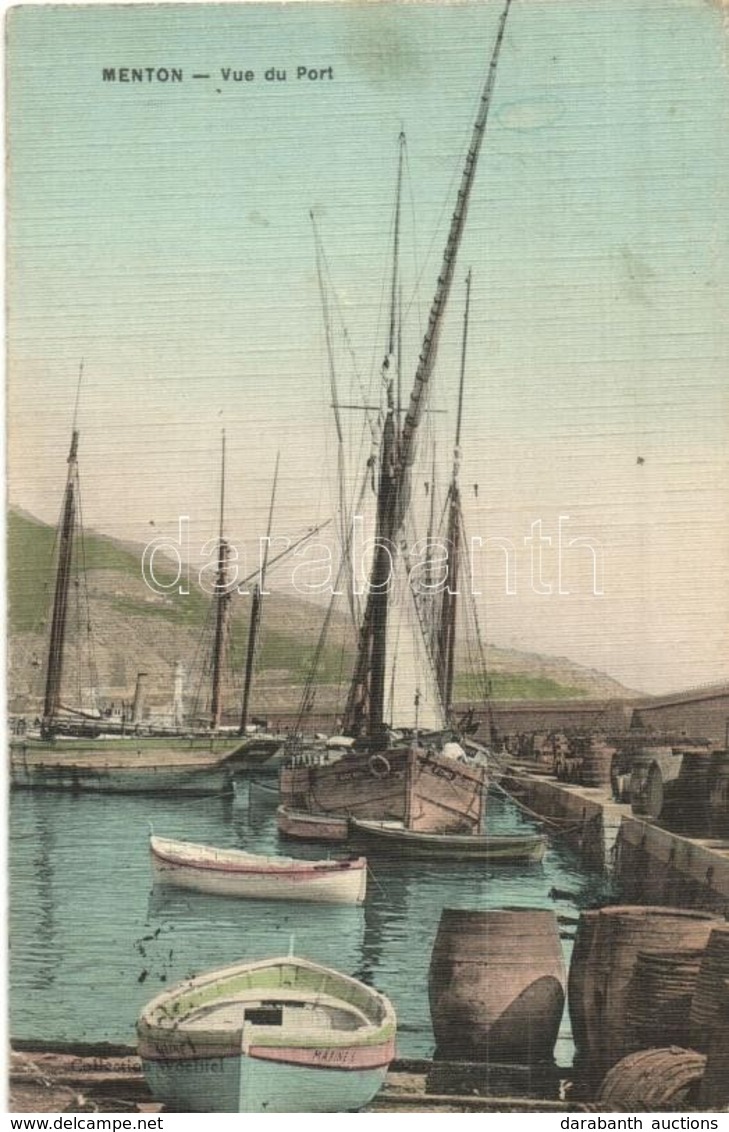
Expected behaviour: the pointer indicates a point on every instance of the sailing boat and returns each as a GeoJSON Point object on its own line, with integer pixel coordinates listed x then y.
{"type": "Point", "coordinates": [254, 748]}
{"type": "Point", "coordinates": [69, 754]}
{"type": "Point", "coordinates": [406, 763]}
{"type": "Point", "coordinates": [261, 746]}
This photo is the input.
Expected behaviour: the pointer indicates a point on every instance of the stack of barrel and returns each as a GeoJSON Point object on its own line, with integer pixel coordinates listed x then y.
{"type": "Point", "coordinates": [714, 1093]}
{"type": "Point", "coordinates": [645, 985]}
{"type": "Point", "coordinates": [685, 785]}
{"type": "Point", "coordinates": [568, 760]}
{"type": "Point", "coordinates": [497, 991]}
{"type": "Point", "coordinates": [647, 786]}
{"type": "Point", "coordinates": [689, 813]}
{"type": "Point", "coordinates": [709, 1019]}
{"type": "Point", "coordinates": [719, 795]}
{"type": "Point", "coordinates": [584, 758]}
{"type": "Point", "coordinates": [597, 761]}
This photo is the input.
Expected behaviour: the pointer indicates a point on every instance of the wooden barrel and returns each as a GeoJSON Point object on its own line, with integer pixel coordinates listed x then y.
{"type": "Point", "coordinates": [597, 762]}
{"type": "Point", "coordinates": [646, 787]}
{"type": "Point", "coordinates": [577, 979]}
{"type": "Point", "coordinates": [659, 998]}
{"type": "Point", "coordinates": [690, 809]}
{"type": "Point", "coordinates": [719, 794]}
{"type": "Point", "coordinates": [653, 1080]}
{"type": "Point", "coordinates": [622, 932]}
{"type": "Point", "coordinates": [568, 769]}
{"type": "Point", "coordinates": [620, 783]}
{"type": "Point", "coordinates": [497, 985]}
{"type": "Point", "coordinates": [714, 1094]}
{"type": "Point", "coordinates": [714, 970]}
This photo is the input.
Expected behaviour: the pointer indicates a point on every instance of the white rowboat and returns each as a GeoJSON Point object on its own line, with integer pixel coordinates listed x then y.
{"type": "Point", "coordinates": [232, 872]}
{"type": "Point", "coordinates": [280, 1035]}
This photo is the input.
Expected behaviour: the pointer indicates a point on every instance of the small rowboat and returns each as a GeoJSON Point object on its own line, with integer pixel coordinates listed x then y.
{"type": "Point", "coordinates": [302, 826]}
{"type": "Point", "coordinates": [257, 751]}
{"type": "Point", "coordinates": [231, 872]}
{"type": "Point", "coordinates": [263, 792]}
{"type": "Point", "coordinates": [393, 837]}
{"type": "Point", "coordinates": [281, 1035]}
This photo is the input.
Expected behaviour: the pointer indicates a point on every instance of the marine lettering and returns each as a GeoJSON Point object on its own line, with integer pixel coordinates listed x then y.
{"type": "Point", "coordinates": [334, 1056]}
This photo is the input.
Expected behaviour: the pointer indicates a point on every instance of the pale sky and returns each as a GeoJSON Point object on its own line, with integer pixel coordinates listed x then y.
{"type": "Point", "coordinates": [161, 233]}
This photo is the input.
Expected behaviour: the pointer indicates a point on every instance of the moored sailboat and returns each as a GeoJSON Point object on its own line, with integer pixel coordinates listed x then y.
{"type": "Point", "coordinates": [81, 751]}
{"type": "Point", "coordinates": [408, 763]}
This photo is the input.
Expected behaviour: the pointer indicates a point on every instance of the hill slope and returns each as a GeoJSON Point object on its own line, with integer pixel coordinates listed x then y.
{"type": "Point", "coordinates": [137, 630]}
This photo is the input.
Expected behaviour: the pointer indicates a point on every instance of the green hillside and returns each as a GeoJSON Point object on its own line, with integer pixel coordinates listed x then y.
{"type": "Point", "coordinates": [516, 686]}
{"type": "Point", "coordinates": [30, 568]}
{"type": "Point", "coordinates": [137, 630]}
{"type": "Point", "coordinates": [30, 549]}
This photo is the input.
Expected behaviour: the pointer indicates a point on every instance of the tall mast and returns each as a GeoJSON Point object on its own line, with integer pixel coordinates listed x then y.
{"type": "Point", "coordinates": [366, 696]}
{"type": "Point", "coordinates": [431, 528]}
{"type": "Point", "coordinates": [447, 635]}
{"type": "Point", "coordinates": [67, 529]}
{"type": "Point", "coordinates": [398, 397]}
{"type": "Point", "coordinates": [387, 488]}
{"type": "Point", "coordinates": [429, 348]}
{"type": "Point", "coordinates": [60, 600]}
{"type": "Point", "coordinates": [393, 336]}
{"type": "Point", "coordinates": [250, 656]}
{"type": "Point", "coordinates": [254, 627]}
{"type": "Point", "coordinates": [222, 605]}
{"type": "Point", "coordinates": [367, 692]}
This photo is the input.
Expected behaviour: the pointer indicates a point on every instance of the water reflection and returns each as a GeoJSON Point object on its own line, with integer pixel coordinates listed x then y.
{"type": "Point", "coordinates": [32, 903]}
{"type": "Point", "coordinates": [93, 940]}
{"type": "Point", "coordinates": [385, 908]}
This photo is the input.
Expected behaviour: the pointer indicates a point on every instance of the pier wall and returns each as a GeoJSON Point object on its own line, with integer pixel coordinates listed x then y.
{"type": "Point", "coordinates": [587, 818]}
{"type": "Point", "coordinates": [703, 713]}
{"type": "Point", "coordinates": [700, 713]}
{"type": "Point", "coordinates": [518, 717]}
{"type": "Point", "coordinates": [656, 866]}
{"type": "Point", "coordinates": [652, 865]}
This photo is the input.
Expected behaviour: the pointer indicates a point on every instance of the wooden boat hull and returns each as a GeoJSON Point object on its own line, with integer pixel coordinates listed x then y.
{"type": "Point", "coordinates": [425, 790]}
{"type": "Point", "coordinates": [200, 868]}
{"type": "Point", "coordinates": [119, 767]}
{"type": "Point", "coordinates": [386, 837]}
{"type": "Point", "coordinates": [260, 1059]}
{"type": "Point", "coordinates": [301, 826]}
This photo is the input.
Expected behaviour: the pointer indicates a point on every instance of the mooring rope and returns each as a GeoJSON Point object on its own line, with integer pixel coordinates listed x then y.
{"type": "Point", "coordinates": [556, 822]}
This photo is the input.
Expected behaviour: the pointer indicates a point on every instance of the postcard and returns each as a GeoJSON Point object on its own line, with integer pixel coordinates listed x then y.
{"type": "Point", "coordinates": [367, 558]}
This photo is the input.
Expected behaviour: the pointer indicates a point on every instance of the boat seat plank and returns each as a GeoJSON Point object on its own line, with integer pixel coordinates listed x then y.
{"type": "Point", "coordinates": [228, 1014]}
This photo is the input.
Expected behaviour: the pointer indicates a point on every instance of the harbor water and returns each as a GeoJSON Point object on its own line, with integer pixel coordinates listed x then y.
{"type": "Point", "coordinates": [92, 940]}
